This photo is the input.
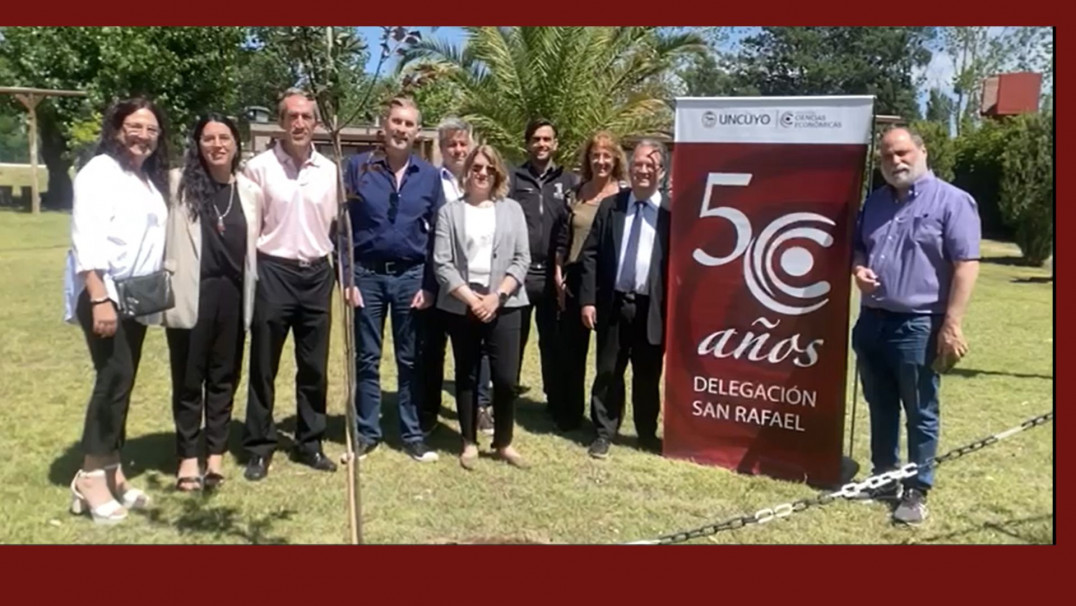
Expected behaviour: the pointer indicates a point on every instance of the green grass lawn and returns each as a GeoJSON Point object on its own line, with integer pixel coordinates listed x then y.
{"type": "Point", "coordinates": [1001, 494]}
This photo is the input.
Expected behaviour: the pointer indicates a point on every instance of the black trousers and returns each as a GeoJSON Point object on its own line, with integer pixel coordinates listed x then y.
{"type": "Point", "coordinates": [296, 298]}
{"type": "Point", "coordinates": [205, 362]}
{"type": "Point", "coordinates": [115, 360]}
{"type": "Point", "coordinates": [433, 343]}
{"type": "Point", "coordinates": [543, 307]}
{"type": "Point", "coordinates": [574, 348]}
{"type": "Point", "coordinates": [622, 338]}
{"type": "Point", "coordinates": [499, 339]}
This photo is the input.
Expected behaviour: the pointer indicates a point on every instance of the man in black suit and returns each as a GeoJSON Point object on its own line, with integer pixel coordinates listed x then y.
{"type": "Point", "coordinates": [625, 269]}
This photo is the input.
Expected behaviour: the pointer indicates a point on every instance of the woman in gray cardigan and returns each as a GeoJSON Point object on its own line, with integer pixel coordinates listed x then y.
{"type": "Point", "coordinates": [212, 233]}
{"type": "Point", "coordinates": [481, 255]}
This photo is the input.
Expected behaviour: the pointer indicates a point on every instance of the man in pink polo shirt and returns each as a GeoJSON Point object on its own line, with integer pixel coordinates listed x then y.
{"type": "Point", "coordinates": [295, 283]}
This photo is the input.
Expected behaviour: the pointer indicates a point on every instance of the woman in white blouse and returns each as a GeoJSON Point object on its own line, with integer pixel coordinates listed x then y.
{"type": "Point", "coordinates": [481, 255]}
{"type": "Point", "coordinates": [117, 231]}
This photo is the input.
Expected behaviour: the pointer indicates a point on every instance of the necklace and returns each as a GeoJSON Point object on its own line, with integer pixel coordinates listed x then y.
{"type": "Point", "coordinates": [220, 217]}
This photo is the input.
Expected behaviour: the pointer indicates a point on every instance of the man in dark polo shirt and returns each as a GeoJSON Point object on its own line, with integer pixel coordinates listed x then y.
{"type": "Point", "coordinates": [916, 260]}
{"type": "Point", "coordinates": [394, 196]}
{"type": "Point", "coordinates": [541, 188]}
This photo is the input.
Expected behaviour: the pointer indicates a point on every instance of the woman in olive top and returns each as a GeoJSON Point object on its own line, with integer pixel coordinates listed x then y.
{"type": "Point", "coordinates": [604, 174]}
{"type": "Point", "coordinates": [212, 232]}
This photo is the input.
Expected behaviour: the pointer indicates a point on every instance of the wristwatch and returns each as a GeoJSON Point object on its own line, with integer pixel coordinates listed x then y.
{"type": "Point", "coordinates": [502, 298]}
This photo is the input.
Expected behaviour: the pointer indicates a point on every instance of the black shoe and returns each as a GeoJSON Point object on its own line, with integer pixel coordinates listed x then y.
{"type": "Point", "coordinates": [419, 452]}
{"type": "Point", "coordinates": [257, 468]}
{"type": "Point", "coordinates": [485, 421]}
{"type": "Point", "coordinates": [913, 507]}
{"type": "Point", "coordinates": [365, 448]}
{"type": "Point", "coordinates": [315, 459]}
{"type": "Point", "coordinates": [599, 449]}
{"type": "Point", "coordinates": [650, 444]}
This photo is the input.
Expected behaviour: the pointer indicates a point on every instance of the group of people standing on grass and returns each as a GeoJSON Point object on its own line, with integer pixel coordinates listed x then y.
{"type": "Point", "coordinates": [469, 252]}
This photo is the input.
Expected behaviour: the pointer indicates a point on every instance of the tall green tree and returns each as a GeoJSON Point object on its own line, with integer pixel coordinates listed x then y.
{"type": "Point", "coordinates": [879, 61]}
{"type": "Point", "coordinates": [979, 52]}
{"type": "Point", "coordinates": [940, 108]}
{"type": "Point", "coordinates": [1027, 184]}
{"type": "Point", "coordinates": [186, 70]}
{"type": "Point", "coordinates": [581, 78]}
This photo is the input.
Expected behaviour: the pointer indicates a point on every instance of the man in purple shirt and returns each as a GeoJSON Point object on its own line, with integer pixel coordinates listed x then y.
{"type": "Point", "coordinates": [916, 259]}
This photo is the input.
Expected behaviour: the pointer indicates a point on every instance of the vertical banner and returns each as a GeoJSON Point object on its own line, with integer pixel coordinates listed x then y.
{"type": "Point", "coordinates": [764, 198]}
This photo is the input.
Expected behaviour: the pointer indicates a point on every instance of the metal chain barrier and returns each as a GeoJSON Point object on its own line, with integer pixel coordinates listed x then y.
{"type": "Point", "coordinates": [851, 490]}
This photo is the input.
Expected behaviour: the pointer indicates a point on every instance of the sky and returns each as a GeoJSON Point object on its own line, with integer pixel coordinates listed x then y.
{"type": "Point", "coordinates": [939, 73]}
{"type": "Point", "coordinates": [452, 35]}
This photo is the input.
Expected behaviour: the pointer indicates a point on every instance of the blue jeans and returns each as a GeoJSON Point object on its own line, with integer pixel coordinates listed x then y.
{"type": "Point", "coordinates": [383, 294]}
{"type": "Point", "coordinates": [895, 353]}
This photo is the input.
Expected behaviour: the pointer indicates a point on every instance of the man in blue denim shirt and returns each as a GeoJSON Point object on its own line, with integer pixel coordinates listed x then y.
{"type": "Point", "coordinates": [394, 196]}
{"type": "Point", "coordinates": [916, 259]}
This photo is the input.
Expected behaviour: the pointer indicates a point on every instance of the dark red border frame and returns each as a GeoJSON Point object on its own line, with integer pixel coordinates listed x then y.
{"type": "Point", "coordinates": [405, 574]}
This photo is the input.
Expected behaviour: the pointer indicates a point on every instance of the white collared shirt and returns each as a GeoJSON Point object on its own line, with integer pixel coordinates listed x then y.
{"type": "Point", "coordinates": [646, 243]}
{"type": "Point", "coordinates": [300, 203]}
{"type": "Point", "coordinates": [118, 225]}
{"type": "Point", "coordinates": [451, 185]}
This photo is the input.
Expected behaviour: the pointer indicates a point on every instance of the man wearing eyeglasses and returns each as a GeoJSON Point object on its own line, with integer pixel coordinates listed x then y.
{"type": "Point", "coordinates": [393, 199]}
{"type": "Point", "coordinates": [541, 186]}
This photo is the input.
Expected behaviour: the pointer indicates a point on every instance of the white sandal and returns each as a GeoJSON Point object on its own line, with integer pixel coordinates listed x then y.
{"type": "Point", "coordinates": [132, 498]}
{"type": "Point", "coordinates": [109, 512]}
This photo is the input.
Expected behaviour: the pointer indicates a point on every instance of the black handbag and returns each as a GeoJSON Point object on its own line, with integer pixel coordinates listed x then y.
{"type": "Point", "coordinates": [145, 295]}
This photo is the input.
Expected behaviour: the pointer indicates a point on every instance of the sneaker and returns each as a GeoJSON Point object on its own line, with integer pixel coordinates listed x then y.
{"type": "Point", "coordinates": [889, 493]}
{"type": "Point", "coordinates": [912, 508]}
{"type": "Point", "coordinates": [420, 452]}
{"type": "Point", "coordinates": [365, 448]}
{"type": "Point", "coordinates": [485, 421]}
{"type": "Point", "coordinates": [599, 449]}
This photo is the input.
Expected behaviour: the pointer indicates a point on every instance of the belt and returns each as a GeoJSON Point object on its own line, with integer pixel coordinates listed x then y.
{"type": "Point", "coordinates": [539, 266]}
{"type": "Point", "coordinates": [886, 313]}
{"type": "Point", "coordinates": [388, 267]}
{"type": "Point", "coordinates": [294, 262]}
{"type": "Point", "coordinates": [631, 296]}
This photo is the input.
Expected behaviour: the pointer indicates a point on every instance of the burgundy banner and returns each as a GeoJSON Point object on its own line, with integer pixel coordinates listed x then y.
{"type": "Point", "coordinates": [759, 305]}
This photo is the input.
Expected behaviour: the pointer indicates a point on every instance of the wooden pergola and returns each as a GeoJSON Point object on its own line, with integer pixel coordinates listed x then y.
{"type": "Point", "coordinates": [30, 97]}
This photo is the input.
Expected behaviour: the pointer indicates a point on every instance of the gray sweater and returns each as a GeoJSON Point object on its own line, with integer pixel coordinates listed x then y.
{"type": "Point", "coordinates": [511, 253]}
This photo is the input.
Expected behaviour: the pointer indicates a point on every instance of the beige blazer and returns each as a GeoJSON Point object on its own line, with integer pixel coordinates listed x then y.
{"type": "Point", "coordinates": [511, 253]}
{"type": "Point", "coordinates": [183, 249]}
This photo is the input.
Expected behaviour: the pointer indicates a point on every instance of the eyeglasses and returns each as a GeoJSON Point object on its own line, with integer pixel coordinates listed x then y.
{"type": "Point", "coordinates": [480, 168]}
{"type": "Point", "coordinates": [150, 130]}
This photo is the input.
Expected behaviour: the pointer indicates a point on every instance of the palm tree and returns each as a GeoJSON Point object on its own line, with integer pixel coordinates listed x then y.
{"type": "Point", "coordinates": [581, 78]}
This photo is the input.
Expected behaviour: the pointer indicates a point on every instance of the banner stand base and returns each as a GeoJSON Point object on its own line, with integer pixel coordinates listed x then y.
{"type": "Point", "coordinates": [849, 469]}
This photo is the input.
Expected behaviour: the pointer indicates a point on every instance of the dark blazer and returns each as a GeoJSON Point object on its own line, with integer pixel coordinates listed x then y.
{"type": "Point", "coordinates": [600, 259]}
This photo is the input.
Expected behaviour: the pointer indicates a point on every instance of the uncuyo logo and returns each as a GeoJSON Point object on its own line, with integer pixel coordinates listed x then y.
{"type": "Point", "coordinates": [759, 262]}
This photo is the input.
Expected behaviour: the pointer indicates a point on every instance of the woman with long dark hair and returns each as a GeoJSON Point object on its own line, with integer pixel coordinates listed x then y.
{"type": "Point", "coordinates": [212, 233]}
{"type": "Point", "coordinates": [117, 233]}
